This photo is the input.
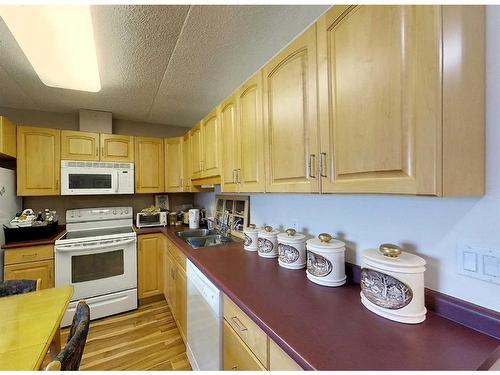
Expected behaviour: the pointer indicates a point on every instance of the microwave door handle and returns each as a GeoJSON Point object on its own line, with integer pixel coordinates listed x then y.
{"type": "Point", "coordinates": [117, 185]}
{"type": "Point", "coordinates": [61, 249]}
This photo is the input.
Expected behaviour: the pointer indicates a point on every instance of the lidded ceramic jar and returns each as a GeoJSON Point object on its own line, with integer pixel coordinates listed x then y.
{"type": "Point", "coordinates": [326, 260]}
{"type": "Point", "coordinates": [292, 249]}
{"type": "Point", "coordinates": [268, 242]}
{"type": "Point", "coordinates": [251, 234]}
{"type": "Point", "coordinates": [392, 284]}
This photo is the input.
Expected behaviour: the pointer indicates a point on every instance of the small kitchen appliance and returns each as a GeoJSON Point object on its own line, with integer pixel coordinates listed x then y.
{"type": "Point", "coordinates": [392, 284]}
{"type": "Point", "coordinates": [292, 250]}
{"type": "Point", "coordinates": [326, 260]}
{"type": "Point", "coordinates": [251, 234]}
{"type": "Point", "coordinates": [268, 242]}
{"type": "Point", "coordinates": [194, 218]}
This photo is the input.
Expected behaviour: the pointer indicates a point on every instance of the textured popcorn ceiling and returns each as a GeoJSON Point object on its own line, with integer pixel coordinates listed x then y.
{"type": "Point", "coordinates": [162, 64]}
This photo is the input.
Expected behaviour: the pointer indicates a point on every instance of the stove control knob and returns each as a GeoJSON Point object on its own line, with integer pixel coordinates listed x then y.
{"type": "Point", "coordinates": [79, 214]}
{"type": "Point", "coordinates": [120, 212]}
{"type": "Point", "coordinates": [114, 212]}
{"type": "Point", "coordinates": [126, 212]}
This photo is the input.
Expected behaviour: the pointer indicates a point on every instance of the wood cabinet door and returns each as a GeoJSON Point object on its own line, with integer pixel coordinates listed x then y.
{"type": "Point", "coordinates": [210, 162]}
{"type": "Point", "coordinates": [196, 151]}
{"type": "Point", "coordinates": [7, 138]}
{"type": "Point", "coordinates": [230, 145]}
{"type": "Point", "coordinates": [251, 174]}
{"type": "Point", "coordinates": [237, 356]}
{"type": "Point", "coordinates": [186, 162]}
{"type": "Point", "coordinates": [149, 165]}
{"type": "Point", "coordinates": [279, 360]}
{"type": "Point", "coordinates": [38, 161]}
{"type": "Point", "coordinates": [77, 145]}
{"type": "Point", "coordinates": [150, 265]}
{"type": "Point", "coordinates": [380, 99]}
{"type": "Point", "coordinates": [290, 117]}
{"type": "Point", "coordinates": [180, 301]}
{"type": "Point", "coordinates": [173, 165]}
{"type": "Point", "coordinates": [119, 148]}
{"type": "Point", "coordinates": [43, 269]}
{"type": "Point", "coordinates": [170, 270]}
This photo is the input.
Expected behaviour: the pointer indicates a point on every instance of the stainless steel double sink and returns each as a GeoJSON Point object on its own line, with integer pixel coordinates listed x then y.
{"type": "Point", "coordinates": [199, 238]}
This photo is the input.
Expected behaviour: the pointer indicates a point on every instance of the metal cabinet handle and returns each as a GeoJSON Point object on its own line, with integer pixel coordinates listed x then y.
{"type": "Point", "coordinates": [234, 368]}
{"type": "Point", "coordinates": [322, 164]}
{"type": "Point", "coordinates": [238, 324]}
{"type": "Point", "coordinates": [238, 177]}
{"type": "Point", "coordinates": [96, 150]}
{"type": "Point", "coordinates": [30, 255]}
{"type": "Point", "coordinates": [234, 173]}
{"type": "Point", "coordinates": [311, 165]}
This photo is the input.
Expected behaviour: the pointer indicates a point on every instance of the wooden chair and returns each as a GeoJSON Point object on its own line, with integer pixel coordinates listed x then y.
{"type": "Point", "coordinates": [13, 287]}
{"type": "Point", "coordinates": [70, 356]}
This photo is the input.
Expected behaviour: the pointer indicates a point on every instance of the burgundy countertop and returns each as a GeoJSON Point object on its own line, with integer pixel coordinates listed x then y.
{"type": "Point", "coordinates": [326, 328]}
{"type": "Point", "coordinates": [43, 241]}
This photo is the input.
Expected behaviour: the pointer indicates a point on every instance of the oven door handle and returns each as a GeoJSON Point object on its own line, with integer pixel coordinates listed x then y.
{"type": "Point", "coordinates": [103, 245]}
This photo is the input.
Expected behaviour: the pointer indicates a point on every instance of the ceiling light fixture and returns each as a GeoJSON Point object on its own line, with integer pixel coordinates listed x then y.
{"type": "Point", "coordinates": [58, 41]}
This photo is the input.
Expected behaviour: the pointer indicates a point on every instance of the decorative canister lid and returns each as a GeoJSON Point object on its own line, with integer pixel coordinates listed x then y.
{"type": "Point", "coordinates": [325, 242]}
{"type": "Point", "coordinates": [291, 236]}
{"type": "Point", "coordinates": [268, 231]}
{"type": "Point", "coordinates": [390, 257]}
{"type": "Point", "coordinates": [250, 229]}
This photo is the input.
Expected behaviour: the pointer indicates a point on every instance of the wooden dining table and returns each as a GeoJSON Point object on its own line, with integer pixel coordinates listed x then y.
{"type": "Point", "coordinates": [30, 325]}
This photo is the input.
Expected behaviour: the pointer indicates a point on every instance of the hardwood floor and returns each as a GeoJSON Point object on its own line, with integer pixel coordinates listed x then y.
{"type": "Point", "coordinates": [144, 339]}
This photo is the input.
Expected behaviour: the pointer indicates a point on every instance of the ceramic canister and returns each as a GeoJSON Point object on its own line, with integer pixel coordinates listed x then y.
{"type": "Point", "coordinates": [392, 284]}
{"type": "Point", "coordinates": [268, 242]}
{"type": "Point", "coordinates": [251, 234]}
{"type": "Point", "coordinates": [326, 260]}
{"type": "Point", "coordinates": [292, 249]}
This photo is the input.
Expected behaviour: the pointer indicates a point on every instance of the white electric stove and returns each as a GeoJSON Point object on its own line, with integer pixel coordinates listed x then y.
{"type": "Point", "coordinates": [98, 257]}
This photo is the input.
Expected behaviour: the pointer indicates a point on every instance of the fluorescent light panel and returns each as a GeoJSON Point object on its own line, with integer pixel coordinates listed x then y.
{"type": "Point", "coordinates": [58, 41]}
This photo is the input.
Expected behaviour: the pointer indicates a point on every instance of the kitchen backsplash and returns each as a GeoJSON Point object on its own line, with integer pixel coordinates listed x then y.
{"type": "Point", "coordinates": [67, 202]}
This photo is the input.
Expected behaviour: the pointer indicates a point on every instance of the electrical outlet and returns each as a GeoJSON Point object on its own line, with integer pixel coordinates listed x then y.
{"type": "Point", "coordinates": [478, 262]}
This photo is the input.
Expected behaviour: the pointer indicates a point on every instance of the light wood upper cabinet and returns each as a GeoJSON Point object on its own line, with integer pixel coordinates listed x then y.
{"type": "Point", "coordinates": [38, 161]}
{"type": "Point", "coordinates": [173, 165]}
{"type": "Point", "coordinates": [76, 145]}
{"type": "Point", "coordinates": [196, 151]}
{"type": "Point", "coordinates": [210, 161]}
{"type": "Point", "coordinates": [150, 252]}
{"type": "Point", "coordinates": [230, 141]}
{"type": "Point", "coordinates": [186, 162]}
{"type": "Point", "coordinates": [7, 138]}
{"type": "Point", "coordinates": [149, 165]}
{"type": "Point", "coordinates": [381, 99]}
{"type": "Point", "coordinates": [118, 148]}
{"type": "Point", "coordinates": [251, 171]}
{"type": "Point", "coordinates": [290, 117]}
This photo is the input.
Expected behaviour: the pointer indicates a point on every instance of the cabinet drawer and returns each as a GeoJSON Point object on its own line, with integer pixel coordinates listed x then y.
{"type": "Point", "coordinates": [177, 254]}
{"type": "Point", "coordinates": [237, 356]}
{"type": "Point", "coordinates": [279, 360]}
{"type": "Point", "coordinates": [29, 254]}
{"type": "Point", "coordinates": [246, 329]}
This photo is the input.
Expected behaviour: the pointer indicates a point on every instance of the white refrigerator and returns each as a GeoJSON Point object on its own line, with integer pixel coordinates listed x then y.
{"type": "Point", "coordinates": [10, 204]}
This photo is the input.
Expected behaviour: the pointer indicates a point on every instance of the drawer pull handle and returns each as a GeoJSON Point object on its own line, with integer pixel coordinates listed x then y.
{"type": "Point", "coordinates": [238, 324]}
{"type": "Point", "coordinates": [234, 368]}
{"type": "Point", "coordinates": [30, 255]}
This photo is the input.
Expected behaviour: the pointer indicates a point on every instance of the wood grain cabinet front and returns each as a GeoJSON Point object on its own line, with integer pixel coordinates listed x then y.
{"type": "Point", "coordinates": [150, 248]}
{"type": "Point", "coordinates": [8, 146]}
{"type": "Point", "coordinates": [173, 165]}
{"type": "Point", "coordinates": [279, 360]}
{"type": "Point", "coordinates": [237, 356]}
{"type": "Point", "coordinates": [117, 148]}
{"type": "Point", "coordinates": [38, 161]}
{"type": "Point", "coordinates": [76, 145]}
{"type": "Point", "coordinates": [196, 151]}
{"type": "Point", "coordinates": [31, 263]}
{"type": "Point", "coordinates": [149, 165]}
{"type": "Point", "coordinates": [210, 134]}
{"type": "Point", "coordinates": [399, 113]}
{"type": "Point", "coordinates": [230, 144]}
{"type": "Point", "coordinates": [186, 162]}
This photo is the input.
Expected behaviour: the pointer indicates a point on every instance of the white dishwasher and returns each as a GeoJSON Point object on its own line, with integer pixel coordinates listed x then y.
{"type": "Point", "coordinates": [204, 321]}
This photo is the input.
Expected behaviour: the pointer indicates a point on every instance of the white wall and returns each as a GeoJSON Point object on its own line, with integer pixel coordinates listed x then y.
{"type": "Point", "coordinates": [431, 227]}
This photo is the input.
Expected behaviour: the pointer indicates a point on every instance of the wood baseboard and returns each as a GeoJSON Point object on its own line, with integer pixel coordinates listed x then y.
{"type": "Point", "coordinates": [155, 298]}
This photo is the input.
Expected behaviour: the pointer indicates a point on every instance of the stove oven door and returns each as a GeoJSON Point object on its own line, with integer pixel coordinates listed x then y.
{"type": "Point", "coordinates": [97, 268]}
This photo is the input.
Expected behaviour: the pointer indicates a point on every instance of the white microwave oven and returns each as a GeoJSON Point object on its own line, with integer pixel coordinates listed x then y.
{"type": "Point", "coordinates": [145, 219]}
{"type": "Point", "coordinates": [92, 177]}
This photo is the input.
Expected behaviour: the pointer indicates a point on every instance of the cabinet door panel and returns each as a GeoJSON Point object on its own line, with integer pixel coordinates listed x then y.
{"type": "Point", "coordinates": [117, 148]}
{"type": "Point", "coordinates": [374, 71]}
{"type": "Point", "coordinates": [196, 151]}
{"type": "Point", "coordinates": [237, 356]}
{"type": "Point", "coordinates": [7, 138]}
{"type": "Point", "coordinates": [251, 175]}
{"type": "Point", "coordinates": [43, 270]}
{"type": "Point", "coordinates": [173, 164]}
{"type": "Point", "coordinates": [186, 162]}
{"type": "Point", "coordinates": [211, 151]}
{"type": "Point", "coordinates": [291, 124]}
{"type": "Point", "coordinates": [38, 161]}
{"type": "Point", "coordinates": [230, 146]}
{"type": "Point", "coordinates": [149, 165]}
{"type": "Point", "coordinates": [150, 265]}
{"type": "Point", "coordinates": [77, 145]}
{"type": "Point", "coordinates": [180, 300]}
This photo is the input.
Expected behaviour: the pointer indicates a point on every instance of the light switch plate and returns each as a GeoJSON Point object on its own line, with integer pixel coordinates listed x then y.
{"type": "Point", "coordinates": [479, 262]}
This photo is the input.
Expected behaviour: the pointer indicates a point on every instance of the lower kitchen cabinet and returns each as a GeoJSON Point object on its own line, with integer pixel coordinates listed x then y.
{"type": "Point", "coordinates": [175, 286]}
{"type": "Point", "coordinates": [237, 356]}
{"type": "Point", "coordinates": [279, 360]}
{"type": "Point", "coordinates": [150, 264]}
{"type": "Point", "coordinates": [181, 302]}
{"type": "Point", "coordinates": [31, 263]}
